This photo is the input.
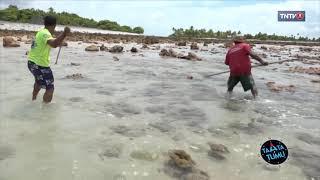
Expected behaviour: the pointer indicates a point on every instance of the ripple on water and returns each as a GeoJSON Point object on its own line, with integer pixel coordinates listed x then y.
{"type": "Point", "coordinates": [305, 137]}
{"type": "Point", "coordinates": [6, 152]}
{"type": "Point", "coordinates": [307, 161]}
{"type": "Point", "coordinates": [121, 109]}
{"type": "Point", "coordinates": [185, 113]}
{"type": "Point", "coordinates": [132, 131]}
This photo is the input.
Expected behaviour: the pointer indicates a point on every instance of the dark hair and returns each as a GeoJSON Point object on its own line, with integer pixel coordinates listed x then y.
{"type": "Point", "coordinates": [50, 20]}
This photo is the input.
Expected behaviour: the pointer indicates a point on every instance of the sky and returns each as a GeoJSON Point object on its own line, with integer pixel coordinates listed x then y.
{"type": "Point", "coordinates": [158, 17]}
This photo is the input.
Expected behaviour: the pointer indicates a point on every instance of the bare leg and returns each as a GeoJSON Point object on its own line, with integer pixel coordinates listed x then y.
{"type": "Point", "coordinates": [229, 93]}
{"type": "Point", "coordinates": [47, 97]}
{"type": "Point", "coordinates": [36, 89]}
{"type": "Point", "coordinates": [254, 93]}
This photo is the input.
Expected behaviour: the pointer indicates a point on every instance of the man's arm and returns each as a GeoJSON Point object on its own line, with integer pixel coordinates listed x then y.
{"type": "Point", "coordinates": [258, 58]}
{"type": "Point", "coordinates": [56, 42]}
{"type": "Point", "coordinates": [227, 59]}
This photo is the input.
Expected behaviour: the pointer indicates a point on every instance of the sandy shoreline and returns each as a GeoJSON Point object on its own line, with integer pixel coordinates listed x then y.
{"type": "Point", "coordinates": [91, 34]}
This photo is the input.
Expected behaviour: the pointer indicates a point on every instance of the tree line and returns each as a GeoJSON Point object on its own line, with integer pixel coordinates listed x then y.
{"type": "Point", "coordinates": [12, 13]}
{"type": "Point", "coordinates": [203, 33]}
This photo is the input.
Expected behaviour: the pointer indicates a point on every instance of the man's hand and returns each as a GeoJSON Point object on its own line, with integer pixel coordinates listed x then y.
{"type": "Point", "coordinates": [66, 31]}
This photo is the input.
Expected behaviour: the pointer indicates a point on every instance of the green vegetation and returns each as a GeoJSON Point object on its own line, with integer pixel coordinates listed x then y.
{"type": "Point", "coordinates": [12, 13]}
{"type": "Point", "coordinates": [203, 33]}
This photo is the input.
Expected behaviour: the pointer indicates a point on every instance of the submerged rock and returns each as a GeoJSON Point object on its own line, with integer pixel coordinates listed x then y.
{"type": "Point", "coordinates": [92, 48]}
{"type": "Point", "coordinates": [264, 47]}
{"type": "Point", "coordinates": [103, 48]}
{"type": "Point", "coordinates": [315, 80]}
{"type": "Point", "coordinates": [181, 166]}
{"type": "Point", "coordinates": [128, 132]}
{"type": "Point", "coordinates": [216, 151]}
{"type": "Point", "coordinates": [172, 53]}
{"type": "Point", "coordinates": [74, 64]}
{"type": "Point", "coordinates": [310, 70]}
{"type": "Point", "coordinates": [162, 126]}
{"type": "Point", "coordinates": [192, 56]}
{"type": "Point", "coordinates": [277, 88]}
{"type": "Point", "coordinates": [144, 155]}
{"type": "Point", "coordinates": [112, 151]}
{"type": "Point", "coordinates": [116, 49]}
{"type": "Point", "coordinates": [115, 58]}
{"type": "Point", "coordinates": [181, 43]}
{"type": "Point", "coordinates": [134, 50]}
{"type": "Point", "coordinates": [74, 76]}
{"type": "Point", "coordinates": [218, 148]}
{"type": "Point", "coordinates": [144, 46]}
{"type": "Point", "coordinates": [181, 159]}
{"type": "Point", "coordinates": [9, 41]}
{"type": "Point", "coordinates": [194, 46]}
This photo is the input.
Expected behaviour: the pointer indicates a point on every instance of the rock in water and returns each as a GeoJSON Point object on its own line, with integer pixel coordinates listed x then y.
{"type": "Point", "coordinates": [92, 48]}
{"type": "Point", "coordinates": [134, 50]}
{"type": "Point", "coordinates": [216, 151]}
{"type": "Point", "coordinates": [9, 41]}
{"type": "Point", "coordinates": [264, 47]}
{"type": "Point", "coordinates": [116, 49]}
{"type": "Point", "coordinates": [277, 88]}
{"type": "Point", "coordinates": [181, 159]}
{"type": "Point", "coordinates": [144, 47]}
{"type": "Point", "coordinates": [144, 155]}
{"type": "Point", "coordinates": [74, 76]}
{"type": "Point", "coordinates": [192, 56]}
{"type": "Point", "coordinates": [103, 48]}
{"type": "Point", "coordinates": [164, 52]}
{"type": "Point", "coordinates": [74, 64]}
{"type": "Point", "coordinates": [183, 167]}
{"type": "Point", "coordinates": [115, 58]}
{"type": "Point", "coordinates": [218, 148]}
{"type": "Point", "coordinates": [194, 46]}
{"type": "Point", "coordinates": [163, 127]}
{"type": "Point", "coordinates": [182, 43]}
{"type": "Point", "coordinates": [112, 151]}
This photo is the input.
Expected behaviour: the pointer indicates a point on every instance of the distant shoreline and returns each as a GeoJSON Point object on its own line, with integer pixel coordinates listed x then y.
{"type": "Point", "coordinates": [89, 35]}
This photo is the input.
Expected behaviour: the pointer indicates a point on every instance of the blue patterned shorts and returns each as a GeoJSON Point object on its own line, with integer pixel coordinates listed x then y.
{"type": "Point", "coordinates": [42, 75]}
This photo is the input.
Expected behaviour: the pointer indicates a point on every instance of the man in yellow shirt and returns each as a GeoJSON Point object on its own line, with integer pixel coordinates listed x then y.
{"type": "Point", "coordinates": [39, 57]}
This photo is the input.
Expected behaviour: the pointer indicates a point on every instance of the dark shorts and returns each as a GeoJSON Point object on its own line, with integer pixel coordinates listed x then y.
{"type": "Point", "coordinates": [247, 82]}
{"type": "Point", "coordinates": [43, 75]}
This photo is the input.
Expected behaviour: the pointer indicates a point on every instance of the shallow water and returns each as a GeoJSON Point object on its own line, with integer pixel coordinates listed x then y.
{"type": "Point", "coordinates": [147, 103]}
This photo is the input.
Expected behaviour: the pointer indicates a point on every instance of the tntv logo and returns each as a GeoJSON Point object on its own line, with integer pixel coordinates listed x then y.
{"type": "Point", "coordinates": [291, 16]}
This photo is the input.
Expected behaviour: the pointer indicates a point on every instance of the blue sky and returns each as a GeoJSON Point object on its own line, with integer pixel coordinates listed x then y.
{"type": "Point", "coordinates": [158, 17]}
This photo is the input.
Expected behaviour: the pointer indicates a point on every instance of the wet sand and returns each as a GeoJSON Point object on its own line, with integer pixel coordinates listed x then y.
{"type": "Point", "coordinates": [146, 103]}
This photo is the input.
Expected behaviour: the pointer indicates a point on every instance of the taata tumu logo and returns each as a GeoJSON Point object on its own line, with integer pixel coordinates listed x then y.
{"type": "Point", "coordinates": [274, 152]}
{"type": "Point", "coordinates": [291, 16]}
